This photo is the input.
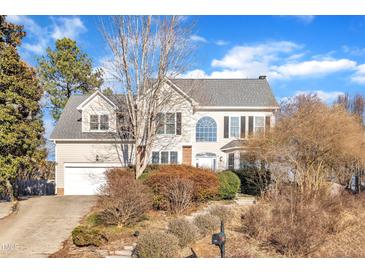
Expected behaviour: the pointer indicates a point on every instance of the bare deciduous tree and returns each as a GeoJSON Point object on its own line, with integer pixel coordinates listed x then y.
{"type": "Point", "coordinates": [147, 52]}
{"type": "Point", "coordinates": [355, 105]}
{"type": "Point", "coordinates": [310, 142]}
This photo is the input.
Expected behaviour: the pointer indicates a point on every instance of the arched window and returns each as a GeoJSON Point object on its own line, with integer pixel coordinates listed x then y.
{"type": "Point", "coordinates": [206, 130]}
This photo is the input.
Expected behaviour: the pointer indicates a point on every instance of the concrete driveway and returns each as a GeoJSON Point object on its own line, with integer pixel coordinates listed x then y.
{"type": "Point", "coordinates": [41, 225]}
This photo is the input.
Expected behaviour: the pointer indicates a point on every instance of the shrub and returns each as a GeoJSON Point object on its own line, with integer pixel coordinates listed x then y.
{"type": "Point", "coordinates": [292, 224]}
{"type": "Point", "coordinates": [205, 183]}
{"type": "Point", "coordinates": [206, 223]}
{"type": "Point", "coordinates": [157, 244]}
{"type": "Point", "coordinates": [123, 199]}
{"type": "Point", "coordinates": [224, 213]}
{"type": "Point", "coordinates": [184, 230]}
{"type": "Point", "coordinates": [254, 180]}
{"type": "Point", "coordinates": [229, 184]}
{"type": "Point", "coordinates": [86, 236]}
{"type": "Point", "coordinates": [178, 193]}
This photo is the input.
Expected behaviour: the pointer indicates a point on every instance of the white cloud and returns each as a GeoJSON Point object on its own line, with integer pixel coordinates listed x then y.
{"type": "Point", "coordinates": [306, 19]}
{"type": "Point", "coordinates": [325, 96]}
{"type": "Point", "coordinates": [221, 42]}
{"type": "Point", "coordinates": [34, 31]}
{"type": "Point", "coordinates": [242, 57]}
{"type": "Point", "coordinates": [196, 73]}
{"type": "Point", "coordinates": [42, 37]}
{"type": "Point", "coordinates": [356, 51]}
{"type": "Point", "coordinates": [30, 24]}
{"type": "Point", "coordinates": [277, 60]}
{"type": "Point", "coordinates": [67, 27]}
{"type": "Point", "coordinates": [312, 68]}
{"type": "Point", "coordinates": [296, 56]}
{"type": "Point", "coordinates": [197, 38]}
{"type": "Point", "coordinates": [359, 75]}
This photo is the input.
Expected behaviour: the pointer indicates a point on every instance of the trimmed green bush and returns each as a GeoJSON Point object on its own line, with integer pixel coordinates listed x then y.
{"type": "Point", "coordinates": [184, 230]}
{"type": "Point", "coordinates": [157, 244]}
{"type": "Point", "coordinates": [254, 180]}
{"type": "Point", "coordinates": [229, 184]}
{"type": "Point", "coordinates": [86, 236]}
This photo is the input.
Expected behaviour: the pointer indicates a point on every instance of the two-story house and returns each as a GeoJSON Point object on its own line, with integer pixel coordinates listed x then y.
{"type": "Point", "coordinates": [206, 128]}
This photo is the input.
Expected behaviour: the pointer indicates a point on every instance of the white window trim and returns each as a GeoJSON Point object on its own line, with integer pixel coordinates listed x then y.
{"type": "Point", "coordinates": [99, 114]}
{"type": "Point", "coordinates": [239, 126]}
{"type": "Point", "coordinates": [164, 125]}
{"type": "Point", "coordinates": [254, 123]}
{"type": "Point", "coordinates": [234, 160]}
{"type": "Point", "coordinates": [168, 157]}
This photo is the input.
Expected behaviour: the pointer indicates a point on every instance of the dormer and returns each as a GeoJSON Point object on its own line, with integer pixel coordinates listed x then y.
{"type": "Point", "coordinates": [98, 113]}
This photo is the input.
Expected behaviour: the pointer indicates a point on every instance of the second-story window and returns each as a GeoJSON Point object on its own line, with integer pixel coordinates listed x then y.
{"type": "Point", "coordinates": [94, 122]}
{"type": "Point", "coordinates": [170, 123]}
{"type": "Point", "coordinates": [166, 123]}
{"type": "Point", "coordinates": [259, 123]}
{"type": "Point", "coordinates": [206, 130]}
{"type": "Point", "coordinates": [235, 127]}
{"type": "Point", "coordinates": [99, 122]}
{"type": "Point", "coordinates": [104, 122]}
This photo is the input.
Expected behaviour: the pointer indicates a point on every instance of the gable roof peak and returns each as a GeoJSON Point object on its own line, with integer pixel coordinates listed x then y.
{"type": "Point", "coordinates": [92, 96]}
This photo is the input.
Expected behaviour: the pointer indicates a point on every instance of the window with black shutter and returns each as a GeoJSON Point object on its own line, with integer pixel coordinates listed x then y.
{"type": "Point", "coordinates": [155, 157]}
{"type": "Point", "coordinates": [104, 122]}
{"type": "Point", "coordinates": [231, 161]}
{"type": "Point", "coordinates": [250, 125]}
{"type": "Point", "coordinates": [178, 123]}
{"type": "Point", "coordinates": [160, 123]}
{"type": "Point", "coordinates": [267, 123]}
{"type": "Point", "coordinates": [243, 127]}
{"type": "Point", "coordinates": [226, 126]}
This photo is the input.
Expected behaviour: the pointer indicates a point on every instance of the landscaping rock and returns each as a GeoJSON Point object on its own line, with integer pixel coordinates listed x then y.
{"type": "Point", "coordinates": [243, 201]}
{"type": "Point", "coordinates": [123, 253]}
{"type": "Point", "coordinates": [129, 247]}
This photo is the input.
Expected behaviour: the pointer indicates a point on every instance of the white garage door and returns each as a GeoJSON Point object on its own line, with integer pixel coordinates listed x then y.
{"type": "Point", "coordinates": [83, 180]}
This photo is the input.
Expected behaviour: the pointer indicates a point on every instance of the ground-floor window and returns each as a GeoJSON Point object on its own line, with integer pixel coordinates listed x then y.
{"type": "Point", "coordinates": [231, 161]}
{"type": "Point", "coordinates": [164, 157]}
{"type": "Point", "coordinates": [243, 160]}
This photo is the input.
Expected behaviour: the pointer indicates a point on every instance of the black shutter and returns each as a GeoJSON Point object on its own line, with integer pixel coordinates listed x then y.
{"type": "Point", "coordinates": [178, 123]}
{"type": "Point", "coordinates": [243, 127]}
{"type": "Point", "coordinates": [267, 123]}
{"type": "Point", "coordinates": [226, 126]}
{"type": "Point", "coordinates": [250, 125]}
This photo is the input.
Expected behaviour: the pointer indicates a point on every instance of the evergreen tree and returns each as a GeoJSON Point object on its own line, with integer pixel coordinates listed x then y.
{"type": "Point", "coordinates": [21, 128]}
{"type": "Point", "coordinates": [65, 71]}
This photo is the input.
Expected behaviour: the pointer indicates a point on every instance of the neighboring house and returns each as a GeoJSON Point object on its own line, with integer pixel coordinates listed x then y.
{"type": "Point", "coordinates": [207, 128]}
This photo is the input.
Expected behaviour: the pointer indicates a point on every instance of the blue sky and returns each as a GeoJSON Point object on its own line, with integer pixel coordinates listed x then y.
{"type": "Point", "coordinates": [322, 54]}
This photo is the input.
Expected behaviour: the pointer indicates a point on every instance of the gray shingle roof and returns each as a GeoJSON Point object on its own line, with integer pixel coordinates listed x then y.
{"type": "Point", "coordinates": [69, 124]}
{"type": "Point", "coordinates": [229, 92]}
{"type": "Point", "coordinates": [234, 144]}
{"type": "Point", "coordinates": [206, 92]}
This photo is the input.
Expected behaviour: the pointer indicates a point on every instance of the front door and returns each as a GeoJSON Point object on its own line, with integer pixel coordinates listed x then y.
{"type": "Point", "coordinates": [186, 155]}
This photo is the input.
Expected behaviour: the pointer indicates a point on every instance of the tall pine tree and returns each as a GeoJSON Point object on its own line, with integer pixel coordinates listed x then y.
{"type": "Point", "coordinates": [21, 129]}
{"type": "Point", "coordinates": [66, 71]}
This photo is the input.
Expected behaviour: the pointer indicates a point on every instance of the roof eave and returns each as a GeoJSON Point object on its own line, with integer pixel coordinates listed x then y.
{"type": "Point", "coordinates": [92, 96]}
